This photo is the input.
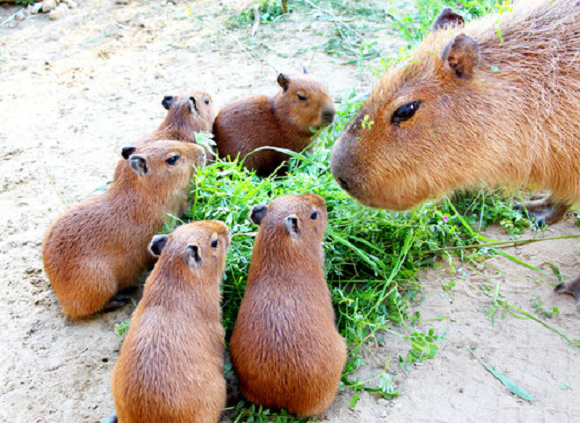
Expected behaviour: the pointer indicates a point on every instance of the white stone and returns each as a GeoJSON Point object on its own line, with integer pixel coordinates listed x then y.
{"type": "Point", "coordinates": [58, 13]}
{"type": "Point", "coordinates": [20, 16]}
{"type": "Point", "coordinates": [48, 5]}
{"type": "Point", "coordinates": [33, 9]}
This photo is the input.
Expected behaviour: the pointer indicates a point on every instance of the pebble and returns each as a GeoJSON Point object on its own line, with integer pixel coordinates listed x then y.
{"type": "Point", "coordinates": [58, 13]}
{"type": "Point", "coordinates": [48, 5]}
{"type": "Point", "coordinates": [20, 16]}
{"type": "Point", "coordinates": [33, 9]}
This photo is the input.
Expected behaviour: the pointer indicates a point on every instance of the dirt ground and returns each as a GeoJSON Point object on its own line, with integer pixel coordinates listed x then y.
{"type": "Point", "coordinates": [74, 91]}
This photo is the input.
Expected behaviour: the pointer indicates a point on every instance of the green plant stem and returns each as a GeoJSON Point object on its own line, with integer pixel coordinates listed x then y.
{"type": "Point", "coordinates": [502, 244]}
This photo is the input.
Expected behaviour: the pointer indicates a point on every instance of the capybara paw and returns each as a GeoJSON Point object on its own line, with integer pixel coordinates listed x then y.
{"type": "Point", "coordinates": [545, 211]}
{"type": "Point", "coordinates": [561, 289]}
{"type": "Point", "coordinates": [115, 303]}
{"type": "Point", "coordinates": [572, 288]}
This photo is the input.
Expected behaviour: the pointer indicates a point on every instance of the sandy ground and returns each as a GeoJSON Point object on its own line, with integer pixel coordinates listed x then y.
{"type": "Point", "coordinates": [73, 92]}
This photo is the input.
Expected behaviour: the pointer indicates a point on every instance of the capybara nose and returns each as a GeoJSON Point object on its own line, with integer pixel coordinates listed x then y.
{"type": "Point", "coordinates": [328, 116]}
{"type": "Point", "coordinates": [343, 183]}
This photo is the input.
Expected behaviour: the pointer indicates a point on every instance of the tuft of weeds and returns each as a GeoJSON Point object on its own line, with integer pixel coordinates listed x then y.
{"type": "Point", "coordinates": [413, 26]}
{"type": "Point", "coordinates": [267, 10]}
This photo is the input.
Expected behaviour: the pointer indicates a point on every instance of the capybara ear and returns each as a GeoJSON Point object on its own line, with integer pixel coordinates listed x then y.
{"type": "Point", "coordinates": [304, 69]}
{"type": "Point", "coordinates": [257, 213]}
{"type": "Point", "coordinates": [462, 55]}
{"type": "Point", "coordinates": [192, 255]}
{"type": "Point", "coordinates": [139, 164]}
{"type": "Point", "coordinates": [193, 105]}
{"type": "Point", "coordinates": [167, 102]}
{"type": "Point", "coordinates": [127, 151]}
{"type": "Point", "coordinates": [157, 244]}
{"type": "Point", "coordinates": [284, 81]}
{"type": "Point", "coordinates": [447, 19]}
{"type": "Point", "coordinates": [291, 225]}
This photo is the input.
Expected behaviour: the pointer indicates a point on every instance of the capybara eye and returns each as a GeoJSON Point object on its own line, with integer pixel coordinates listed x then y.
{"type": "Point", "coordinates": [214, 243]}
{"type": "Point", "coordinates": [314, 215]}
{"type": "Point", "coordinates": [172, 160]}
{"type": "Point", "coordinates": [207, 101]}
{"type": "Point", "coordinates": [405, 112]}
{"type": "Point", "coordinates": [301, 97]}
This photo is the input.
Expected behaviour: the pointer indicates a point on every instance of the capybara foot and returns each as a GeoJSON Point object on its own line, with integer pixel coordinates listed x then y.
{"type": "Point", "coordinates": [119, 300]}
{"type": "Point", "coordinates": [545, 210]}
{"type": "Point", "coordinates": [572, 288]}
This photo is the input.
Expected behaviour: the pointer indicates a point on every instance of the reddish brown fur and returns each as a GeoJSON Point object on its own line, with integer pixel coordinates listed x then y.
{"type": "Point", "coordinates": [98, 247]}
{"type": "Point", "coordinates": [285, 347]}
{"type": "Point", "coordinates": [170, 367]}
{"type": "Point", "coordinates": [183, 118]}
{"type": "Point", "coordinates": [282, 121]}
{"type": "Point", "coordinates": [182, 121]}
{"type": "Point", "coordinates": [515, 119]}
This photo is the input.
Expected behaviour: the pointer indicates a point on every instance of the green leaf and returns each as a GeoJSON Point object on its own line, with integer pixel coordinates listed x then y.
{"type": "Point", "coordinates": [511, 385]}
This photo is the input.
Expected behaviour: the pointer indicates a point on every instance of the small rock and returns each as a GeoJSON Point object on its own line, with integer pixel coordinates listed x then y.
{"type": "Point", "coordinates": [58, 13]}
{"type": "Point", "coordinates": [72, 4]}
{"type": "Point", "coordinates": [20, 16]}
{"type": "Point", "coordinates": [48, 5]}
{"type": "Point", "coordinates": [33, 9]}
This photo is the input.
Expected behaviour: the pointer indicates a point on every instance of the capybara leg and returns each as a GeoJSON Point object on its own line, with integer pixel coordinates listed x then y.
{"type": "Point", "coordinates": [546, 211]}
{"type": "Point", "coordinates": [116, 303]}
{"type": "Point", "coordinates": [572, 288]}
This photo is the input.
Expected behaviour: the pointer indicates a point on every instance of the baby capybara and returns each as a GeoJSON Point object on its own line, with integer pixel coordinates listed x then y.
{"type": "Point", "coordinates": [284, 121]}
{"type": "Point", "coordinates": [467, 110]}
{"type": "Point", "coordinates": [170, 367]}
{"type": "Point", "coordinates": [285, 347]}
{"type": "Point", "coordinates": [186, 114]}
{"type": "Point", "coordinates": [98, 247]}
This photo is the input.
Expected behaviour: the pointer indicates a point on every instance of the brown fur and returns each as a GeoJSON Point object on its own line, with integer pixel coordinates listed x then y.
{"type": "Point", "coordinates": [184, 118]}
{"type": "Point", "coordinates": [98, 247]}
{"type": "Point", "coordinates": [170, 367]}
{"type": "Point", "coordinates": [490, 113]}
{"type": "Point", "coordinates": [282, 121]}
{"type": "Point", "coordinates": [285, 347]}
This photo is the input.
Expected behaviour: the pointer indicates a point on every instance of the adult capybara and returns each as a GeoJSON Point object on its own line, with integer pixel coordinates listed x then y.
{"type": "Point", "coordinates": [99, 246]}
{"type": "Point", "coordinates": [468, 109]}
{"type": "Point", "coordinates": [170, 367]}
{"type": "Point", "coordinates": [284, 121]}
{"type": "Point", "coordinates": [285, 347]}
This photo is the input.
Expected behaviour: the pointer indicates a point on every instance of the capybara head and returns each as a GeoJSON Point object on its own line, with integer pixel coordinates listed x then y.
{"type": "Point", "coordinates": [164, 165]}
{"type": "Point", "coordinates": [198, 247]}
{"type": "Point", "coordinates": [305, 101]}
{"type": "Point", "coordinates": [296, 220]}
{"type": "Point", "coordinates": [421, 132]}
{"type": "Point", "coordinates": [190, 111]}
